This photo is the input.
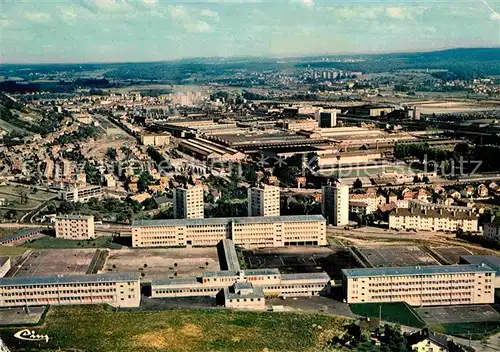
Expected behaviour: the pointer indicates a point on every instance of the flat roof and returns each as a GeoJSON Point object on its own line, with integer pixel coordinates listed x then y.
{"type": "Point", "coordinates": [492, 261]}
{"type": "Point", "coordinates": [61, 279]}
{"type": "Point", "coordinates": [416, 270]}
{"type": "Point", "coordinates": [176, 281]}
{"type": "Point", "coordinates": [73, 217]}
{"type": "Point", "coordinates": [306, 276]}
{"type": "Point", "coordinates": [225, 221]}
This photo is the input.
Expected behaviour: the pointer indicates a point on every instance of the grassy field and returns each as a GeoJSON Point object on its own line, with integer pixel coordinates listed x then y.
{"type": "Point", "coordinates": [474, 330]}
{"type": "Point", "coordinates": [99, 328]}
{"type": "Point", "coordinates": [397, 312]}
{"type": "Point", "coordinates": [52, 242]}
{"type": "Point", "coordinates": [11, 251]}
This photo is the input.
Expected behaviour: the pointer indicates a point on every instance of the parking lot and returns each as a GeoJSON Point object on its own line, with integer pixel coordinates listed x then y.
{"type": "Point", "coordinates": [171, 262]}
{"type": "Point", "coordinates": [55, 262]}
{"type": "Point", "coordinates": [396, 256]}
{"type": "Point", "coordinates": [458, 314]}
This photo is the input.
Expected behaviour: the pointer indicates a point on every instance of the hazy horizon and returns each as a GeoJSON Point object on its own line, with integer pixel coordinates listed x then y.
{"type": "Point", "coordinates": [116, 31]}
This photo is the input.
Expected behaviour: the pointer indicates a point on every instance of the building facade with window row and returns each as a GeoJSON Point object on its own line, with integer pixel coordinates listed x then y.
{"type": "Point", "coordinates": [118, 290]}
{"type": "Point", "coordinates": [434, 285]}
{"type": "Point", "coordinates": [248, 232]}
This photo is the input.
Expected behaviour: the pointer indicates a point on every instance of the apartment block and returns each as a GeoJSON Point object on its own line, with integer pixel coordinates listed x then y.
{"type": "Point", "coordinates": [335, 203]}
{"type": "Point", "coordinates": [264, 201]}
{"type": "Point", "coordinates": [248, 232]}
{"type": "Point", "coordinates": [432, 220]}
{"type": "Point", "coordinates": [491, 231]}
{"type": "Point", "coordinates": [75, 227]}
{"type": "Point", "coordinates": [81, 194]}
{"type": "Point", "coordinates": [188, 203]}
{"type": "Point", "coordinates": [118, 290]}
{"type": "Point", "coordinates": [434, 285]}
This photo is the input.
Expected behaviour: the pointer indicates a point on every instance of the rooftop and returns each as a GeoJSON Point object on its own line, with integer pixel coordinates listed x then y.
{"type": "Point", "coordinates": [492, 261]}
{"type": "Point", "coordinates": [61, 279]}
{"type": "Point", "coordinates": [225, 221]}
{"type": "Point", "coordinates": [19, 234]}
{"type": "Point", "coordinates": [416, 270]}
{"type": "Point", "coordinates": [73, 217]}
{"type": "Point", "coordinates": [306, 276]}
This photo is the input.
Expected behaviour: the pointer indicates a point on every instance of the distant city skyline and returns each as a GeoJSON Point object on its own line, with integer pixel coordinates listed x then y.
{"type": "Point", "coordinates": [78, 31]}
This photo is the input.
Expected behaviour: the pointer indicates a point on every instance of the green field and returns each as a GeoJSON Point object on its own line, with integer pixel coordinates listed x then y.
{"type": "Point", "coordinates": [474, 330]}
{"type": "Point", "coordinates": [99, 328]}
{"type": "Point", "coordinates": [397, 312]}
{"type": "Point", "coordinates": [52, 242]}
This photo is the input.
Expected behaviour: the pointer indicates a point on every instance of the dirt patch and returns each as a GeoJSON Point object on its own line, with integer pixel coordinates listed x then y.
{"type": "Point", "coordinates": [173, 339]}
{"type": "Point", "coordinates": [191, 330]}
{"type": "Point", "coordinates": [153, 339]}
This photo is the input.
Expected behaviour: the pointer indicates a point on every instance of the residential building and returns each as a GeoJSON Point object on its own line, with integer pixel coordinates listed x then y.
{"type": "Point", "coordinates": [81, 194]}
{"type": "Point", "coordinates": [434, 285]}
{"type": "Point", "coordinates": [335, 203]}
{"type": "Point", "coordinates": [432, 220]}
{"type": "Point", "coordinates": [372, 200]}
{"type": "Point", "coordinates": [248, 232]}
{"type": "Point", "coordinates": [75, 227]}
{"type": "Point", "coordinates": [188, 202]}
{"type": "Point", "coordinates": [110, 181]}
{"type": "Point", "coordinates": [360, 208]}
{"type": "Point", "coordinates": [491, 231]}
{"type": "Point", "coordinates": [428, 341]}
{"type": "Point", "coordinates": [264, 201]}
{"type": "Point", "coordinates": [118, 290]}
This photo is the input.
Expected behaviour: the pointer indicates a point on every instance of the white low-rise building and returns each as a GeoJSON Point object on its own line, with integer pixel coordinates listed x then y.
{"type": "Point", "coordinates": [432, 220]}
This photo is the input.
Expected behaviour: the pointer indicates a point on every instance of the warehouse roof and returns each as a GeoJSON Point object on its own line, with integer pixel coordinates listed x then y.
{"type": "Point", "coordinates": [416, 270]}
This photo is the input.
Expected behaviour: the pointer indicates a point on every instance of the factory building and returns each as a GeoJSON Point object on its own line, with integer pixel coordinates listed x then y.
{"type": "Point", "coordinates": [264, 201]}
{"type": "Point", "coordinates": [248, 232]}
{"type": "Point", "coordinates": [75, 227]}
{"type": "Point", "coordinates": [435, 285]}
{"type": "Point", "coordinates": [118, 290]}
{"type": "Point", "coordinates": [156, 139]}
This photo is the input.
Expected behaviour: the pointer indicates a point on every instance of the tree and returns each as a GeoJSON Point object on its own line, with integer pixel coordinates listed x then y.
{"type": "Point", "coordinates": [11, 214]}
{"type": "Point", "coordinates": [393, 340]}
{"type": "Point", "coordinates": [111, 153]}
{"type": "Point", "coordinates": [358, 183]}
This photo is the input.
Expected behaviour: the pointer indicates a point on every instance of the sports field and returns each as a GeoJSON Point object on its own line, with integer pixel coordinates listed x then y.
{"type": "Point", "coordinates": [397, 312]}
{"type": "Point", "coordinates": [100, 328]}
{"type": "Point", "coordinates": [396, 256]}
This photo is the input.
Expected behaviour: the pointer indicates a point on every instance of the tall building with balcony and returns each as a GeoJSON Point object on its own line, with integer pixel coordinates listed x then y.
{"type": "Point", "coordinates": [188, 203]}
{"type": "Point", "coordinates": [75, 227]}
{"type": "Point", "coordinates": [335, 203]}
{"type": "Point", "coordinates": [264, 201]}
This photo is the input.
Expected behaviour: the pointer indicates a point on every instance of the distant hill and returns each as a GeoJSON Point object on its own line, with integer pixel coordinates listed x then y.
{"type": "Point", "coordinates": [461, 62]}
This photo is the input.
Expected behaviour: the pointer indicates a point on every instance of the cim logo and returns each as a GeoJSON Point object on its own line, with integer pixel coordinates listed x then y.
{"type": "Point", "coordinates": [30, 335]}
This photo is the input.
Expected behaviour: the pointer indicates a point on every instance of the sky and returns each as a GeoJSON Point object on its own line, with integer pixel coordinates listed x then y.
{"type": "Point", "coordinates": [64, 31]}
